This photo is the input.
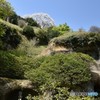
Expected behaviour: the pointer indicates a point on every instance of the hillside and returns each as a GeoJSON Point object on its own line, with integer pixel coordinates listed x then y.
{"type": "Point", "coordinates": [28, 56]}
{"type": "Point", "coordinates": [46, 62]}
{"type": "Point", "coordinates": [10, 25]}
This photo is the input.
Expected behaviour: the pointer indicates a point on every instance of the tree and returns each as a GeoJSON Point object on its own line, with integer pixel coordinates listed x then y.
{"type": "Point", "coordinates": [5, 10]}
{"type": "Point", "coordinates": [14, 18]}
{"type": "Point", "coordinates": [94, 29]}
{"type": "Point", "coordinates": [42, 37]}
{"type": "Point", "coordinates": [9, 37]}
{"type": "Point", "coordinates": [62, 28]}
{"type": "Point", "coordinates": [32, 22]}
{"type": "Point", "coordinates": [28, 31]}
{"type": "Point", "coordinates": [52, 33]}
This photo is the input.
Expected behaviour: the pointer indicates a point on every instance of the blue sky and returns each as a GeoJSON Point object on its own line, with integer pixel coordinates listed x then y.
{"type": "Point", "coordinates": [76, 13]}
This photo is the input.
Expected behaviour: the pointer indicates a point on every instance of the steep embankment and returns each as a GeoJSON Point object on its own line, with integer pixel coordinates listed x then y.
{"type": "Point", "coordinates": [88, 43]}
{"type": "Point", "coordinates": [12, 61]}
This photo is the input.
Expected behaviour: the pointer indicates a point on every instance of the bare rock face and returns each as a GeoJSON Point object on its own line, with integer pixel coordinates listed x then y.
{"type": "Point", "coordinates": [43, 19]}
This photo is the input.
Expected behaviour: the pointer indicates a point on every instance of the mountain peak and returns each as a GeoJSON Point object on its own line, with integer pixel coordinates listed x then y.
{"type": "Point", "coordinates": [43, 19]}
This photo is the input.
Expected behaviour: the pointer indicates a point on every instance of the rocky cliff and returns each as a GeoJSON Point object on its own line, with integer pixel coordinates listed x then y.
{"type": "Point", "coordinates": [43, 19]}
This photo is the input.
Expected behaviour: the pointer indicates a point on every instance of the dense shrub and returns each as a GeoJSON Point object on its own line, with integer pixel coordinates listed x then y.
{"type": "Point", "coordinates": [61, 70]}
{"type": "Point", "coordinates": [45, 35]}
{"type": "Point", "coordinates": [9, 38]}
{"type": "Point", "coordinates": [52, 33]}
{"type": "Point", "coordinates": [28, 31]}
{"type": "Point", "coordinates": [78, 40]}
{"type": "Point", "coordinates": [10, 66]}
{"type": "Point", "coordinates": [14, 18]}
{"type": "Point", "coordinates": [42, 37]}
{"type": "Point", "coordinates": [32, 22]}
{"type": "Point", "coordinates": [5, 10]}
{"type": "Point", "coordinates": [62, 28]}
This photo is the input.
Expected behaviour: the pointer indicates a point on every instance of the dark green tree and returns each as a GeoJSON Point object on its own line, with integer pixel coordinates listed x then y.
{"type": "Point", "coordinates": [28, 31]}
{"type": "Point", "coordinates": [14, 18]}
{"type": "Point", "coordinates": [32, 22]}
{"type": "Point", "coordinates": [9, 37]}
{"type": "Point", "coordinates": [62, 28]}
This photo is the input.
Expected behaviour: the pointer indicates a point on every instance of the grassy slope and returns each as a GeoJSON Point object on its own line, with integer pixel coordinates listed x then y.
{"type": "Point", "coordinates": [11, 25]}
{"type": "Point", "coordinates": [69, 34]}
{"type": "Point", "coordinates": [77, 38]}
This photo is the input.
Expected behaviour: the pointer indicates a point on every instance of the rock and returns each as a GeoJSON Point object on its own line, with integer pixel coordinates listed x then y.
{"type": "Point", "coordinates": [43, 19]}
{"type": "Point", "coordinates": [54, 49]}
{"type": "Point", "coordinates": [10, 88]}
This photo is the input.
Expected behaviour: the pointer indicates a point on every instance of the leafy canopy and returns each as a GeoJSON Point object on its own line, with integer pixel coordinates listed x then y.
{"type": "Point", "coordinates": [63, 28]}
{"type": "Point", "coordinates": [5, 9]}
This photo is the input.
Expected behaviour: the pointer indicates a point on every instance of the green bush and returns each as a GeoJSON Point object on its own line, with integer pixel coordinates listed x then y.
{"type": "Point", "coordinates": [45, 35]}
{"type": "Point", "coordinates": [77, 40]}
{"type": "Point", "coordinates": [10, 66]}
{"type": "Point", "coordinates": [32, 22]}
{"type": "Point", "coordinates": [60, 73]}
{"type": "Point", "coordinates": [9, 38]}
{"type": "Point", "coordinates": [52, 33]}
{"type": "Point", "coordinates": [62, 28]}
{"type": "Point", "coordinates": [61, 70]}
{"type": "Point", "coordinates": [14, 18]}
{"type": "Point", "coordinates": [42, 37]}
{"type": "Point", "coordinates": [28, 32]}
{"type": "Point", "coordinates": [5, 10]}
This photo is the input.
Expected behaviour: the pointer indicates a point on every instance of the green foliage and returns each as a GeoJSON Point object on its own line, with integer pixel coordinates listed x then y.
{"type": "Point", "coordinates": [60, 73]}
{"type": "Point", "coordinates": [11, 25]}
{"type": "Point", "coordinates": [42, 37]}
{"type": "Point", "coordinates": [5, 10]}
{"type": "Point", "coordinates": [32, 22]}
{"type": "Point", "coordinates": [28, 31]}
{"type": "Point", "coordinates": [51, 33]}
{"type": "Point", "coordinates": [13, 19]}
{"type": "Point", "coordinates": [61, 70]}
{"type": "Point", "coordinates": [45, 35]}
{"type": "Point", "coordinates": [63, 28]}
{"type": "Point", "coordinates": [1, 30]}
{"type": "Point", "coordinates": [10, 66]}
{"type": "Point", "coordinates": [62, 94]}
{"type": "Point", "coordinates": [78, 40]}
{"type": "Point", "coordinates": [29, 97]}
{"type": "Point", "coordinates": [10, 38]}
